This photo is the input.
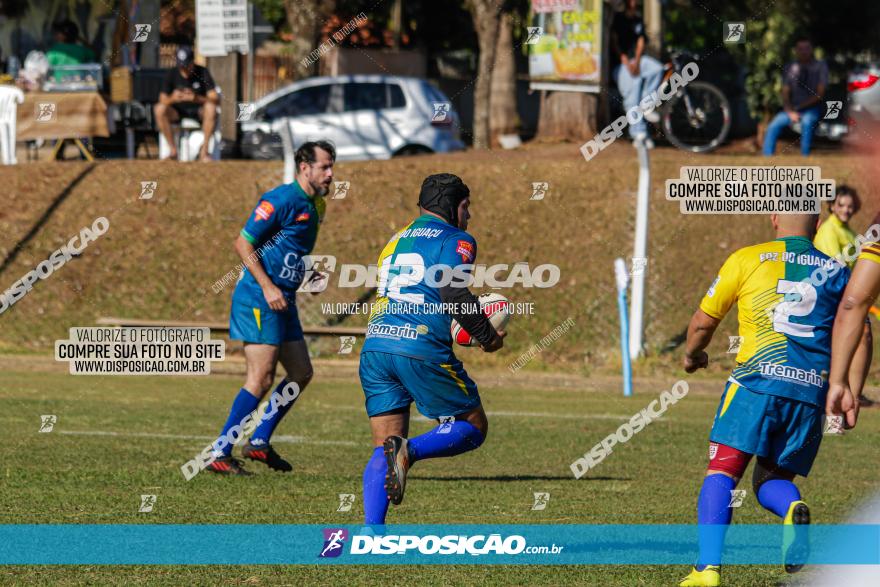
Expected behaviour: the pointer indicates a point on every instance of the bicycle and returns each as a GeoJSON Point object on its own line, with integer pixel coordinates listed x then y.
{"type": "Point", "coordinates": [697, 117]}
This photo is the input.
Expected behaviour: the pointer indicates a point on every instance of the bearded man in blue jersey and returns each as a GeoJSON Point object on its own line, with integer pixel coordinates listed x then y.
{"type": "Point", "coordinates": [407, 356]}
{"type": "Point", "coordinates": [280, 233]}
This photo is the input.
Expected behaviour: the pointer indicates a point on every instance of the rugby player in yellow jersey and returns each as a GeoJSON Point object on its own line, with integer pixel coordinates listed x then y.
{"type": "Point", "coordinates": [861, 292]}
{"type": "Point", "coordinates": [774, 400]}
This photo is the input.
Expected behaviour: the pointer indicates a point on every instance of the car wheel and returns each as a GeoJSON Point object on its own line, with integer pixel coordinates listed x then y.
{"type": "Point", "coordinates": [262, 146]}
{"type": "Point", "coordinates": [411, 150]}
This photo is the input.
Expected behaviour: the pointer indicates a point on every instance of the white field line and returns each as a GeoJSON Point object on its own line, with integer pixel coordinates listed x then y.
{"type": "Point", "coordinates": [502, 414]}
{"type": "Point", "coordinates": [550, 415]}
{"type": "Point", "coordinates": [279, 438]}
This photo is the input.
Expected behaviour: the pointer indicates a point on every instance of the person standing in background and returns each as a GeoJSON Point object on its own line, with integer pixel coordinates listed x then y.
{"type": "Point", "coordinates": [638, 74]}
{"type": "Point", "coordinates": [67, 48]}
{"type": "Point", "coordinates": [835, 234]}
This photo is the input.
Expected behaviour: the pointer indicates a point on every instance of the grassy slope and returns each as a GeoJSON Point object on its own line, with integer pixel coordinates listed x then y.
{"type": "Point", "coordinates": [69, 478]}
{"type": "Point", "coordinates": [26, 194]}
{"type": "Point", "coordinates": [161, 256]}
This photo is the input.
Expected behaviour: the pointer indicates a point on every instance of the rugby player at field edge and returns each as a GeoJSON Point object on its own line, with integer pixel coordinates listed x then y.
{"type": "Point", "coordinates": [860, 294]}
{"type": "Point", "coordinates": [407, 355]}
{"type": "Point", "coordinates": [774, 400]}
{"type": "Point", "coordinates": [283, 226]}
{"type": "Point", "coordinates": [833, 237]}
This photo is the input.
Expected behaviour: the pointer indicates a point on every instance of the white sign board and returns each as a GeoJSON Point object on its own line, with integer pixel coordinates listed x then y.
{"type": "Point", "coordinates": [221, 27]}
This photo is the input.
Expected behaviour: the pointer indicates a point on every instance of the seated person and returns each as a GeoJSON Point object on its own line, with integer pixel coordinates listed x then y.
{"type": "Point", "coordinates": [67, 50]}
{"type": "Point", "coordinates": [188, 92]}
{"type": "Point", "coordinates": [803, 87]}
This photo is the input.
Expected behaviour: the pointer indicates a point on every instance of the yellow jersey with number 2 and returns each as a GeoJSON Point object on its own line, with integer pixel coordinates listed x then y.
{"type": "Point", "coordinates": [787, 292]}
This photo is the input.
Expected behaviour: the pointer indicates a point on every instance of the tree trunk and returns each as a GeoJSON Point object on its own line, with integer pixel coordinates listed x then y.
{"type": "Point", "coordinates": [226, 72]}
{"type": "Point", "coordinates": [304, 18]}
{"type": "Point", "coordinates": [567, 116]}
{"type": "Point", "coordinates": [486, 19]}
{"type": "Point", "coordinates": [762, 129]}
{"type": "Point", "coordinates": [503, 117]}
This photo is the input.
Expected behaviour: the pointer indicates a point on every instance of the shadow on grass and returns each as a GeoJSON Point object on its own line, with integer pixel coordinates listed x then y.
{"type": "Point", "coordinates": [14, 251]}
{"type": "Point", "coordinates": [505, 478]}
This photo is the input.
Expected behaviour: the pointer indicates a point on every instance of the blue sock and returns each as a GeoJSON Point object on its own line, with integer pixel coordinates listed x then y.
{"type": "Point", "coordinates": [776, 495]}
{"type": "Point", "coordinates": [375, 498]}
{"type": "Point", "coordinates": [267, 425]}
{"type": "Point", "coordinates": [446, 440]}
{"type": "Point", "coordinates": [244, 404]}
{"type": "Point", "coordinates": [713, 516]}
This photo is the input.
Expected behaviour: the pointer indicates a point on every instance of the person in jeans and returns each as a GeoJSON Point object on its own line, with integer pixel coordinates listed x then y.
{"type": "Point", "coordinates": [638, 74]}
{"type": "Point", "coordinates": [803, 86]}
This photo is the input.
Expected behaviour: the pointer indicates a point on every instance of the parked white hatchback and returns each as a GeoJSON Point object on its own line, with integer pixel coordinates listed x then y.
{"type": "Point", "coordinates": [365, 116]}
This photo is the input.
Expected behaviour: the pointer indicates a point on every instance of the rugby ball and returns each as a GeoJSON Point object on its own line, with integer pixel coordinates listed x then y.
{"type": "Point", "coordinates": [496, 308]}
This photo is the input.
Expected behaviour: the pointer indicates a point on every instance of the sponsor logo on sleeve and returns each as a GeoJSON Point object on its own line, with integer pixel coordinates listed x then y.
{"type": "Point", "coordinates": [712, 287]}
{"type": "Point", "coordinates": [304, 217]}
{"type": "Point", "coordinates": [263, 211]}
{"type": "Point", "coordinates": [466, 250]}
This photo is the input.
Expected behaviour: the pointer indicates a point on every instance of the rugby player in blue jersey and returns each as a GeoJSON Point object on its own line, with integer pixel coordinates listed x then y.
{"type": "Point", "coordinates": [407, 356]}
{"type": "Point", "coordinates": [281, 230]}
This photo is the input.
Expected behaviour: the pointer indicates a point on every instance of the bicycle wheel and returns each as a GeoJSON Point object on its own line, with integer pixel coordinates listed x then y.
{"type": "Point", "coordinates": [704, 125]}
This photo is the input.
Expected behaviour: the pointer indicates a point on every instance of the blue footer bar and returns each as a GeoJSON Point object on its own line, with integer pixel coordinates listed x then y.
{"type": "Point", "coordinates": [180, 544]}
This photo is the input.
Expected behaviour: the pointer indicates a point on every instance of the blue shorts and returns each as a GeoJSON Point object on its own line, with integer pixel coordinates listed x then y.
{"type": "Point", "coordinates": [260, 326]}
{"type": "Point", "coordinates": [395, 381]}
{"type": "Point", "coordinates": [785, 431]}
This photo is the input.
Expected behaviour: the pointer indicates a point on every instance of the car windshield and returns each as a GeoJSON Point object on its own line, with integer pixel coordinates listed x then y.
{"type": "Point", "coordinates": [364, 96]}
{"type": "Point", "coordinates": [304, 102]}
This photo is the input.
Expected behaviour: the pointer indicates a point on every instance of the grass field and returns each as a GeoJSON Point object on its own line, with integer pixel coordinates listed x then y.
{"type": "Point", "coordinates": [117, 438]}
{"type": "Point", "coordinates": [120, 437]}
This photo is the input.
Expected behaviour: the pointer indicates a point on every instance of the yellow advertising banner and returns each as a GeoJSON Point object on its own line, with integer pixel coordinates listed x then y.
{"type": "Point", "coordinates": [565, 42]}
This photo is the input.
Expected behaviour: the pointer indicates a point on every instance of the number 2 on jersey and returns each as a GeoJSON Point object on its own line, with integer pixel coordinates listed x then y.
{"type": "Point", "coordinates": [800, 300]}
{"type": "Point", "coordinates": [407, 269]}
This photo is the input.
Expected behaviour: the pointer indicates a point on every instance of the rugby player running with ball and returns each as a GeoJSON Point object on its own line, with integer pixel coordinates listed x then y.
{"type": "Point", "coordinates": [407, 356]}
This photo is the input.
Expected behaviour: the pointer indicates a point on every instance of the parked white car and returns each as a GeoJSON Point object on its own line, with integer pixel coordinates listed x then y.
{"type": "Point", "coordinates": [864, 91]}
{"type": "Point", "coordinates": [365, 116]}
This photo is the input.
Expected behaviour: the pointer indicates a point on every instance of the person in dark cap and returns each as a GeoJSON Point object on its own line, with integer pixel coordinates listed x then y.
{"type": "Point", "coordinates": [188, 92]}
{"type": "Point", "coordinates": [407, 355]}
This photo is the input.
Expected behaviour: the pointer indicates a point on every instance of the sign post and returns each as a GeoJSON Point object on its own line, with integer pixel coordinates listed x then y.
{"type": "Point", "coordinates": [640, 254]}
{"type": "Point", "coordinates": [222, 27]}
{"type": "Point", "coordinates": [622, 279]}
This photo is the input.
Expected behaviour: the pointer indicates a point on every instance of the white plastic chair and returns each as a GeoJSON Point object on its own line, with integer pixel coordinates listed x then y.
{"type": "Point", "coordinates": [189, 136]}
{"type": "Point", "coordinates": [10, 98]}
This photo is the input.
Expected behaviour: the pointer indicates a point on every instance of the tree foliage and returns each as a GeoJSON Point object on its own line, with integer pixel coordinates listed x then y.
{"type": "Point", "coordinates": [841, 29]}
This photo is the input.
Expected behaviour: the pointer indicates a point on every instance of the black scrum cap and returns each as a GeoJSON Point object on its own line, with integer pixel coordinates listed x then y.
{"type": "Point", "coordinates": [441, 194]}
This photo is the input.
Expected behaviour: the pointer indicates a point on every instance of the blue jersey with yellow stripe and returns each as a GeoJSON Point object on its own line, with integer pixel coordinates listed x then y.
{"type": "Point", "coordinates": [408, 318]}
{"type": "Point", "coordinates": [283, 228]}
{"type": "Point", "coordinates": [786, 313]}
